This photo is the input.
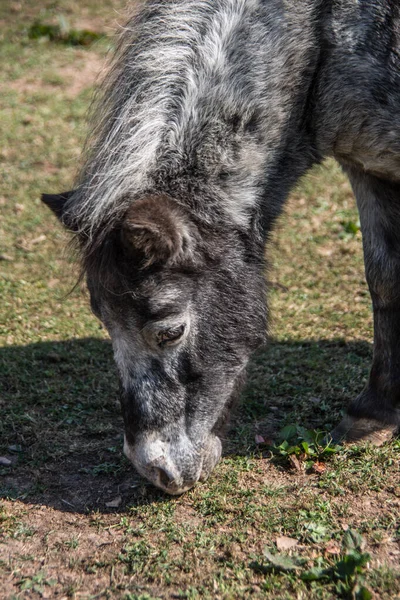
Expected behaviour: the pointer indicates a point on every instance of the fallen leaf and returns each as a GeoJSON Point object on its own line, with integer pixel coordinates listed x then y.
{"type": "Point", "coordinates": [38, 240]}
{"type": "Point", "coordinates": [295, 462]}
{"type": "Point", "coordinates": [15, 448]}
{"type": "Point", "coordinates": [332, 547]}
{"type": "Point", "coordinates": [285, 543]}
{"type": "Point", "coordinates": [27, 244]}
{"type": "Point", "coordinates": [259, 439]}
{"type": "Point", "coordinates": [325, 251]}
{"type": "Point", "coordinates": [114, 503]}
{"type": "Point", "coordinates": [319, 467]}
{"type": "Point", "coordinates": [52, 283]}
{"type": "Point", "coordinates": [5, 462]}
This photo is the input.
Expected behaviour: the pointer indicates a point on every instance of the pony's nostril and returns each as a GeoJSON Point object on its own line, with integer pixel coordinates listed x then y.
{"type": "Point", "coordinates": [165, 478]}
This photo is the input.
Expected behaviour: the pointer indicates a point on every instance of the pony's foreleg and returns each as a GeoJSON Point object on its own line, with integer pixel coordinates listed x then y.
{"type": "Point", "coordinates": [375, 414]}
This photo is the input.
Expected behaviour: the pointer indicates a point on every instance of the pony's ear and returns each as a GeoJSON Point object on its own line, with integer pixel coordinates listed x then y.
{"type": "Point", "coordinates": [159, 229]}
{"type": "Point", "coordinates": [57, 203]}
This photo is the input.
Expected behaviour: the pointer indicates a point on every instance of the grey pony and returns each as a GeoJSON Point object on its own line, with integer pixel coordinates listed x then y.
{"type": "Point", "coordinates": [210, 113]}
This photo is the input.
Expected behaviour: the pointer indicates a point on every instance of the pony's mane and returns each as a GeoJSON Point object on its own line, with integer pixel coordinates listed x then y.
{"type": "Point", "coordinates": [182, 112]}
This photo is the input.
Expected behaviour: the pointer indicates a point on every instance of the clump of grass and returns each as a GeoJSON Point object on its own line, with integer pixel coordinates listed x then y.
{"type": "Point", "coordinates": [62, 33]}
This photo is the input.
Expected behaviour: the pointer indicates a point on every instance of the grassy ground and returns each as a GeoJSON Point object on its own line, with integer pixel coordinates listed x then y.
{"type": "Point", "coordinates": [75, 519]}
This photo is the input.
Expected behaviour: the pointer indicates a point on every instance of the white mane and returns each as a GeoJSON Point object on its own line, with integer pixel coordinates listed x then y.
{"type": "Point", "coordinates": [179, 65]}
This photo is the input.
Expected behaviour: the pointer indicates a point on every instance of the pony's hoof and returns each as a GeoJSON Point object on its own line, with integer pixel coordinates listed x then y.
{"type": "Point", "coordinates": [354, 430]}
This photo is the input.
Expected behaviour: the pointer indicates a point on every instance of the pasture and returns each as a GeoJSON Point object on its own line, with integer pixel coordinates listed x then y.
{"type": "Point", "coordinates": [274, 520]}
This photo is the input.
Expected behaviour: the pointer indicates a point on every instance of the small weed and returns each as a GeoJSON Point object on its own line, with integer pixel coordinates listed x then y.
{"type": "Point", "coordinates": [350, 229]}
{"type": "Point", "coordinates": [344, 574]}
{"type": "Point", "coordinates": [313, 531]}
{"type": "Point", "coordinates": [72, 544]}
{"type": "Point", "coordinates": [63, 34]}
{"type": "Point", "coordinates": [36, 583]}
{"type": "Point", "coordinates": [23, 530]}
{"type": "Point", "coordinates": [307, 445]}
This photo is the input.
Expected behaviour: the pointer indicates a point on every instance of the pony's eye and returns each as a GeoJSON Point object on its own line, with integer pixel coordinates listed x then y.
{"type": "Point", "coordinates": [168, 336]}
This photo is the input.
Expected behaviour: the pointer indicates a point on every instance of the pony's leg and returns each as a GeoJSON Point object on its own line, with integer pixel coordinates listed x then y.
{"type": "Point", "coordinates": [375, 414]}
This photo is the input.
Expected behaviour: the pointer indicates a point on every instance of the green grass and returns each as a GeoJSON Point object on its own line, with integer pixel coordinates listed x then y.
{"type": "Point", "coordinates": [60, 423]}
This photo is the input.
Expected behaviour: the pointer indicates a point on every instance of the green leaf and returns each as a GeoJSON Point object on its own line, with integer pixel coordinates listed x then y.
{"type": "Point", "coordinates": [331, 449]}
{"type": "Point", "coordinates": [363, 594]}
{"type": "Point", "coordinates": [284, 445]}
{"type": "Point", "coordinates": [38, 589]}
{"type": "Point", "coordinates": [316, 573]}
{"type": "Point", "coordinates": [281, 562]}
{"type": "Point", "coordinates": [352, 540]}
{"type": "Point", "coordinates": [306, 447]}
{"type": "Point", "coordinates": [350, 227]}
{"type": "Point", "coordinates": [27, 584]}
{"type": "Point", "coordinates": [288, 432]}
{"type": "Point", "coordinates": [315, 531]}
{"type": "Point", "coordinates": [308, 435]}
{"type": "Point", "coordinates": [351, 564]}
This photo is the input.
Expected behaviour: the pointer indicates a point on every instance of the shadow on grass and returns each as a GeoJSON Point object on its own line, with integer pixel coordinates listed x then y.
{"type": "Point", "coordinates": [62, 430]}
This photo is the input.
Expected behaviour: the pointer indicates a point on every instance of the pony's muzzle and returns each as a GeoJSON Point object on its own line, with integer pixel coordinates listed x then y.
{"type": "Point", "coordinates": [176, 466]}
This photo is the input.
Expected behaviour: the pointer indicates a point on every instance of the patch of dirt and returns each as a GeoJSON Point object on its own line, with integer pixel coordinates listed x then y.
{"type": "Point", "coordinates": [187, 516]}
{"type": "Point", "coordinates": [71, 484]}
{"type": "Point", "coordinates": [73, 78]}
{"type": "Point", "coordinates": [110, 25]}
{"type": "Point", "coordinates": [88, 73]}
{"type": "Point", "coordinates": [50, 538]}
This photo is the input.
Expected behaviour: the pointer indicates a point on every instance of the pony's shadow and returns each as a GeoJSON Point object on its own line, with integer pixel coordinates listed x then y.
{"type": "Point", "coordinates": [62, 431]}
